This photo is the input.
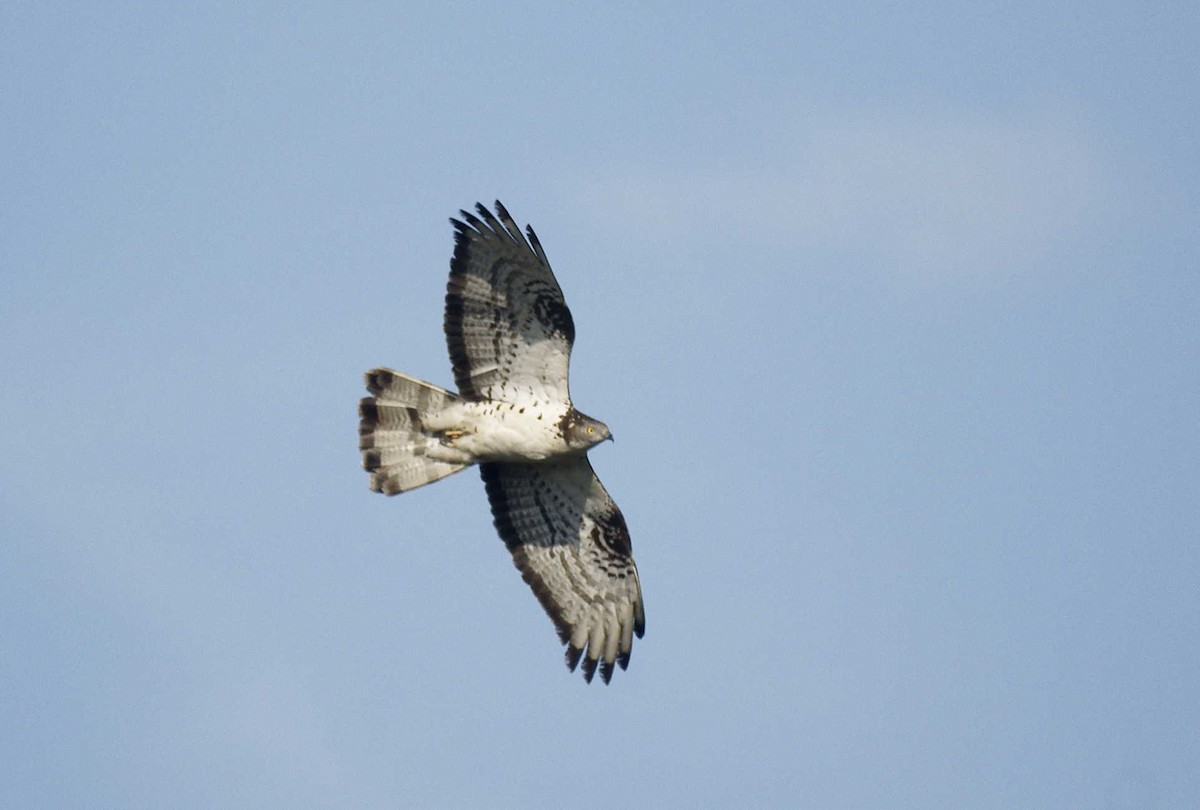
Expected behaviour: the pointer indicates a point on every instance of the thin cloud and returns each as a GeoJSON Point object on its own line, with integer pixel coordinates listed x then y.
{"type": "Point", "coordinates": [932, 196]}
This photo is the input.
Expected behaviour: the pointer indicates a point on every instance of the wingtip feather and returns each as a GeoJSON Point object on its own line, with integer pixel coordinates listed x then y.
{"type": "Point", "coordinates": [376, 379]}
{"type": "Point", "coordinates": [589, 668]}
{"type": "Point", "coordinates": [368, 414]}
{"type": "Point", "coordinates": [572, 656]}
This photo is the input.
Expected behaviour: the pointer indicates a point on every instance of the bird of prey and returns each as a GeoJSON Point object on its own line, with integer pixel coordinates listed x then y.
{"type": "Point", "coordinates": [510, 334]}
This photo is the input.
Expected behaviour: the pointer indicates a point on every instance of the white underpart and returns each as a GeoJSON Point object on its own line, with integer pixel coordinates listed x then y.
{"type": "Point", "coordinates": [498, 431]}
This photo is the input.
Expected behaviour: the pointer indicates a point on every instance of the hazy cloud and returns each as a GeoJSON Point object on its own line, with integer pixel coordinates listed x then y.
{"type": "Point", "coordinates": [932, 195]}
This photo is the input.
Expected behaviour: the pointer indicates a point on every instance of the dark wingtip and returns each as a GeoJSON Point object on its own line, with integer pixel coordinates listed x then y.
{"type": "Point", "coordinates": [371, 459]}
{"type": "Point", "coordinates": [560, 627]}
{"type": "Point", "coordinates": [572, 656]}
{"type": "Point", "coordinates": [589, 668]}
{"type": "Point", "coordinates": [377, 379]}
{"type": "Point", "coordinates": [606, 671]}
{"type": "Point", "coordinates": [623, 659]}
{"type": "Point", "coordinates": [489, 220]}
{"type": "Point", "coordinates": [368, 412]}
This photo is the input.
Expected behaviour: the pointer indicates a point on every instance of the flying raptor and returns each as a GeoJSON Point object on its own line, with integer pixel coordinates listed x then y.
{"type": "Point", "coordinates": [510, 335]}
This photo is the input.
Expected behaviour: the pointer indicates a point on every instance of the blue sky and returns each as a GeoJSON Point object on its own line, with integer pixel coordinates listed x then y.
{"type": "Point", "coordinates": [893, 312]}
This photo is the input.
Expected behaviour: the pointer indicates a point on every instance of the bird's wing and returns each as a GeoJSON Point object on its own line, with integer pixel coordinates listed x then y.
{"type": "Point", "coordinates": [508, 329]}
{"type": "Point", "coordinates": [571, 544]}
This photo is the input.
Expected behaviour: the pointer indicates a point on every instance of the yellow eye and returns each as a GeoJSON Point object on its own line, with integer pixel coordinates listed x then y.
{"type": "Point", "coordinates": [591, 430]}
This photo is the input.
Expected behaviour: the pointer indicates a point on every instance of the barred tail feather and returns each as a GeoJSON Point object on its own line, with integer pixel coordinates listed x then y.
{"type": "Point", "coordinates": [390, 436]}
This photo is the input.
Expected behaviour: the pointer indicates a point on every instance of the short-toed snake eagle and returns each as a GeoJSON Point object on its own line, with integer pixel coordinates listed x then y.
{"type": "Point", "coordinates": [510, 335]}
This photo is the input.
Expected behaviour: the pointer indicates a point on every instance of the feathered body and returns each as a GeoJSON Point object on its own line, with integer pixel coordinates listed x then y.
{"type": "Point", "coordinates": [510, 332]}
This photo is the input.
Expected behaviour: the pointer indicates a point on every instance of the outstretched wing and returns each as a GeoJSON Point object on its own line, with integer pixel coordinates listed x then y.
{"type": "Point", "coordinates": [507, 326]}
{"type": "Point", "coordinates": [570, 542]}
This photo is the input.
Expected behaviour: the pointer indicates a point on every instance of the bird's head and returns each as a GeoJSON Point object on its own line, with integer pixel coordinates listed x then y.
{"type": "Point", "coordinates": [582, 432]}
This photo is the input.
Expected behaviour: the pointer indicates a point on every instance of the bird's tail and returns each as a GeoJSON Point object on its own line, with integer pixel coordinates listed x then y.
{"type": "Point", "coordinates": [390, 435]}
